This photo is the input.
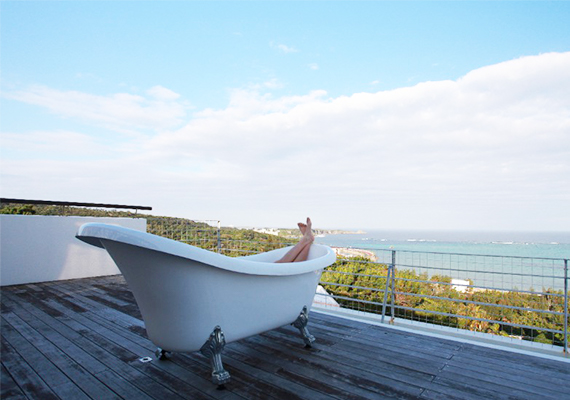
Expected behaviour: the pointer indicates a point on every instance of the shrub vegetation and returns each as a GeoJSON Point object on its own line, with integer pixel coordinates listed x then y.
{"type": "Point", "coordinates": [434, 300]}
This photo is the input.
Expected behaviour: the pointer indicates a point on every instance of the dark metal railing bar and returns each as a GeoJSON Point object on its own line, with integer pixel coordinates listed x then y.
{"type": "Point", "coordinates": [448, 284]}
{"type": "Point", "coordinates": [241, 242]}
{"type": "Point", "coordinates": [218, 237]}
{"type": "Point", "coordinates": [242, 250]}
{"type": "Point", "coordinates": [361, 261]}
{"type": "Point", "coordinates": [481, 287]}
{"type": "Point", "coordinates": [353, 273]}
{"type": "Point", "coordinates": [427, 296]}
{"type": "Point", "coordinates": [351, 286]}
{"type": "Point", "coordinates": [467, 254]}
{"type": "Point", "coordinates": [535, 328]}
{"type": "Point", "coordinates": [393, 274]}
{"type": "Point", "coordinates": [566, 306]}
{"type": "Point", "coordinates": [482, 272]}
{"type": "Point", "coordinates": [352, 299]}
{"type": "Point", "coordinates": [390, 270]}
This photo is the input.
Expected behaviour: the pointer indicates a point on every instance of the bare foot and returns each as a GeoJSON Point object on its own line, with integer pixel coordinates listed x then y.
{"type": "Point", "coordinates": [308, 233]}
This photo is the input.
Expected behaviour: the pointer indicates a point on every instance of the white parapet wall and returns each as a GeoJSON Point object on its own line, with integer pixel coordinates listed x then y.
{"type": "Point", "coordinates": [37, 248]}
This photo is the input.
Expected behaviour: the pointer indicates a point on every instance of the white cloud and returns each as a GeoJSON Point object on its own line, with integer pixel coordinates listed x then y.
{"type": "Point", "coordinates": [488, 151]}
{"type": "Point", "coordinates": [314, 66]}
{"type": "Point", "coordinates": [283, 48]}
{"type": "Point", "coordinates": [162, 93]}
{"type": "Point", "coordinates": [52, 144]}
{"type": "Point", "coordinates": [273, 84]}
{"type": "Point", "coordinates": [121, 111]}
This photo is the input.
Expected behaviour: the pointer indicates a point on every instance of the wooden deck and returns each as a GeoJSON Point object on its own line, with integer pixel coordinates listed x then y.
{"type": "Point", "coordinates": [84, 339]}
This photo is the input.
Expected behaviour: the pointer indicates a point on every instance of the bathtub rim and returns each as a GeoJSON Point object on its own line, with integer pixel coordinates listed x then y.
{"type": "Point", "coordinates": [320, 256]}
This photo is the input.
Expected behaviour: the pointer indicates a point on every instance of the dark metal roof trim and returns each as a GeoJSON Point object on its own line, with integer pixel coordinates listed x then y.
{"type": "Point", "coordinates": [70, 203]}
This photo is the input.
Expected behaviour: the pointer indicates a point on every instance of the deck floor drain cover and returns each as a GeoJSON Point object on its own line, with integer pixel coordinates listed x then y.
{"type": "Point", "coordinates": [145, 359]}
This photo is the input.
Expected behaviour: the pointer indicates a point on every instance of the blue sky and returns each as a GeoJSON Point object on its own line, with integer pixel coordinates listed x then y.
{"type": "Point", "coordinates": [432, 115]}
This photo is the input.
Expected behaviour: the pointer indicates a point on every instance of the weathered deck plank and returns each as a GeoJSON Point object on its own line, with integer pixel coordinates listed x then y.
{"type": "Point", "coordinates": [84, 339]}
{"type": "Point", "coordinates": [28, 381]}
{"type": "Point", "coordinates": [112, 361]}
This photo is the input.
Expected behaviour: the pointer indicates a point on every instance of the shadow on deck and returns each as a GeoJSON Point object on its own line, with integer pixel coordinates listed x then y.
{"type": "Point", "coordinates": [84, 339]}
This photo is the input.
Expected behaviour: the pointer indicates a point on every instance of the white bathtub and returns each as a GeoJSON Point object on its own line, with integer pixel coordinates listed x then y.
{"type": "Point", "coordinates": [185, 292]}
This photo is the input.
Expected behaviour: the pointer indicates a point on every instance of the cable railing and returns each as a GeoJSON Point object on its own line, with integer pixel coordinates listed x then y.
{"type": "Point", "coordinates": [523, 298]}
{"type": "Point", "coordinates": [208, 234]}
{"type": "Point", "coordinates": [490, 295]}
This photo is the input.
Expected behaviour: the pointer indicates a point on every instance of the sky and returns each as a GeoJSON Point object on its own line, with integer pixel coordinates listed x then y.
{"type": "Point", "coordinates": [360, 114]}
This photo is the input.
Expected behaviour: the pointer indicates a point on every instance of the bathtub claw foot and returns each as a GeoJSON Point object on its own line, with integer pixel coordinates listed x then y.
{"type": "Point", "coordinates": [301, 324]}
{"type": "Point", "coordinates": [162, 354]}
{"type": "Point", "coordinates": [213, 350]}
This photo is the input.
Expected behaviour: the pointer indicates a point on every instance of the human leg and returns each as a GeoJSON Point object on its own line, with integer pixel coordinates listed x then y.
{"type": "Point", "coordinates": [300, 251]}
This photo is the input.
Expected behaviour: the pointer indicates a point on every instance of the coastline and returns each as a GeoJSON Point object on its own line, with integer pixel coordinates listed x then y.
{"type": "Point", "coordinates": [350, 252]}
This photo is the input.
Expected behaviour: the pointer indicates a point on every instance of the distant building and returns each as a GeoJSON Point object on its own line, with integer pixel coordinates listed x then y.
{"type": "Point", "coordinates": [460, 285]}
{"type": "Point", "coordinates": [269, 231]}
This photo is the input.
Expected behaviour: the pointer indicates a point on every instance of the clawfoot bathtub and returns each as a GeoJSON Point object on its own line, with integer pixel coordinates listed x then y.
{"type": "Point", "coordinates": [192, 299]}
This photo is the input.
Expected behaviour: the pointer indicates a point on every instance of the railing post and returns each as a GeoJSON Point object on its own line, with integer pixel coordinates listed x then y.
{"type": "Point", "coordinates": [388, 274]}
{"type": "Point", "coordinates": [219, 238]}
{"type": "Point", "coordinates": [566, 306]}
{"type": "Point", "coordinates": [393, 284]}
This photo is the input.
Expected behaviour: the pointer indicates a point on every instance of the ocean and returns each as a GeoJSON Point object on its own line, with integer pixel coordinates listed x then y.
{"type": "Point", "coordinates": [522, 260]}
